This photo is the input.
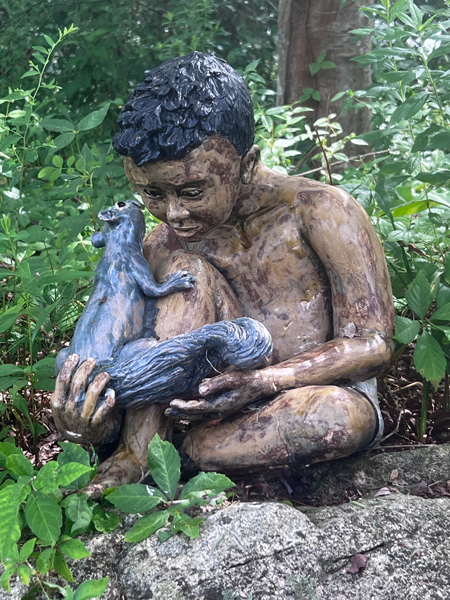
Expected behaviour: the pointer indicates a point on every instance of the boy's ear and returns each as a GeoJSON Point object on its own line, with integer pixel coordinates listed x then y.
{"type": "Point", "coordinates": [249, 162]}
{"type": "Point", "coordinates": [97, 239]}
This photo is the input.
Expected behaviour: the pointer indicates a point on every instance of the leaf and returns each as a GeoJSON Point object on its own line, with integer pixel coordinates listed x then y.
{"type": "Point", "coordinates": [10, 370]}
{"type": "Point", "coordinates": [45, 559]}
{"type": "Point", "coordinates": [74, 549]}
{"type": "Point", "coordinates": [24, 572]}
{"type": "Point", "coordinates": [406, 330]}
{"type": "Point", "coordinates": [163, 536]}
{"type": "Point", "coordinates": [409, 108]}
{"type": "Point", "coordinates": [44, 517]}
{"type": "Point", "coordinates": [436, 178]}
{"type": "Point", "coordinates": [442, 314]}
{"type": "Point", "coordinates": [78, 511]}
{"type": "Point", "coordinates": [5, 451]}
{"type": "Point", "coordinates": [164, 464]}
{"type": "Point", "coordinates": [147, 525]}
{"type": "Point", "coordinates": [59, 125]}
{"type": "Point", "coordinates": [70, 472]}
{"type": "Point", "coordinates": [429, 358]}
{"type": "Point", "coordinates": [441, 51]}
{"type": "Point", "coordinates": [64, 140]}
{"type": "Point", "coordinates": [418, 295]}
{"type": "Point", "coordinates": [210, 483]}
{"type": "Point", "coordinates": [27, 549]}
{"type": "Point", "coordinates": [72, 453]}
{"type": "Point", "coordinates": [60, 566]}
{"type": "Point", "coordinates": [10, 316]}
{"type": "Point", "coordinates": [47, 478]}
{"type": "Point", "coordinates": [10, 499]}
{"type": "Point", "coordinates": [93, 119]}
{"type": "Point", "coordinates": [188, 525]}
{"type": "Point", "coordinates": [6, 576]}
{"type": "Point", "coordinates": [19, 464]}
{"type": "Point", "coordinates": [104, 521]}
{"type": "Point", "coordinates": [91, 589]}
{"type": "Point", "coordinates": [135, 498]}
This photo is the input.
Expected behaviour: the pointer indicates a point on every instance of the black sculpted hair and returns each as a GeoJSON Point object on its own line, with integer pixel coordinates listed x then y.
{"type": "Point", "coordinates": [180, 104]}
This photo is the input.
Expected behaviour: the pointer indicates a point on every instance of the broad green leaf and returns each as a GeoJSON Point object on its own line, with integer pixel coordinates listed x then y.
{"type": "Point", "coordinates": [409, 108]}
{"type": "Point", "coordinates": [24, 572]}
{"type": "Point", "coordinates": [9, 571]}
{"type": "Point", "coordinates": [209, 483]}
{"type": "Point", "coordinates": [188, 525]}
{"type": "Point", "coordinates": [163, 536]}
{"type": "Point", "coordinates": [435, 178]}
{"type": "Point", "coordinates": [60, 566]}
{"type": "Point", "coordinates": [418, 295]}
{"type": "Point", "coordinates": [47, 478]}
{"type": "Point", "coordinates": [135, 498]}
{"type": "Point", "coordinates": [93, 119]}
{"type": "Point", "coordinates": [64, 139]}
{"type": "Point", "coordinates": [74, 549]}
{"type": "Point", "coordinates": [59, 125]}
{"type": "Point", "coordinates": [19, 464]}
{"type": "Point", "coordinates": [78, 511]}
{"type": "Point", "coordinates": [406, 330]}
{"type": "Point", "coordinates": [164, 464]}
{"type": "Point", "coordinates": [441, 51]}
{"type": "Point", "coordinates": [429, 358]}
{"type": "Point", "coordinates": [72, 453]}
{"type": "Point", "coordinates": [10, 316]}
{"type": "Point", "coordinates": [27, 549]}
{"type": "Point", "coordinates": [104, 521]}
{"type": "Point", "coordinates": [442, 314]}
{"type": "Point", "coordinates": [10, 500]}
{"type": "Point", "coordinates": [147, 525]}
{"type": "Point", "coordinates": [70, 472]}
{"type": "Point", "coordinates": [5, 451]}
{"type": "Point", "coordinates": [91, 589]}
{"type": "Point", "coordinates": [10, 370]}
{"type": "Point", "coordinates": [44, 517]}
{"type": "Point", "coordinates": [45, 559]}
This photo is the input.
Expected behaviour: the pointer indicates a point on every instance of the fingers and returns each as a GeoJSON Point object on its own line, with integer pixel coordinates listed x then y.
{"type": "Point", "coordinates": [105, 408]}
{"type": "Point", "coordinates": [79, 384]}
{"type": "Point", "coordinates": [93, 393]}
{"type": "Point", "coordinates": [221, 383]}
{"type": "Point", "coordinates": [63, 380]}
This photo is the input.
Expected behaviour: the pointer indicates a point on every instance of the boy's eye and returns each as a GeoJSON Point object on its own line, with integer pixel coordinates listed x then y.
{"type": "Point", "coordinates": [153, 194]}
{"type": "Point", "coordinates": [191, 193]}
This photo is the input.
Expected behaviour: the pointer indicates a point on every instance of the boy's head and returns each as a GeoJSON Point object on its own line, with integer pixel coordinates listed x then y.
{"type": "Point", "coordinates": [180, 104]}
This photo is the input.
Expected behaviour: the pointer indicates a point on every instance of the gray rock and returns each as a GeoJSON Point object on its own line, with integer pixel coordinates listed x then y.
{"type": "Point", "coordinates": [335, 482]}
{"type": "Point", "coordinates": [269, 551]}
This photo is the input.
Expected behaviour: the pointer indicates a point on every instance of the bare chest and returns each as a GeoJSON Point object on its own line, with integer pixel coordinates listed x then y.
{"type": "Point", "coordinates": [277, 278]}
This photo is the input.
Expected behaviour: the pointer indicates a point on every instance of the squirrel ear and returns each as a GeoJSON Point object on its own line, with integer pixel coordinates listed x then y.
{"type": "Point", "coordinates": [97, 239]}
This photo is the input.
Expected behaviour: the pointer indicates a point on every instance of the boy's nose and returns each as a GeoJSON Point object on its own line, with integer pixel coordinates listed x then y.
{"type": "Point", "coordinates": [176, 211]}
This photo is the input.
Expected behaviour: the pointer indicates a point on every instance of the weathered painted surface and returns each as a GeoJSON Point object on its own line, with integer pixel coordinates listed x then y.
{"type": "Point", "coordinates": [298, 256]}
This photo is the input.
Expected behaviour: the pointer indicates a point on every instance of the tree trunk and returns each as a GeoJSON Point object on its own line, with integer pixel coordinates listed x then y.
{"type": "Point", "coordinates": [306, 28]}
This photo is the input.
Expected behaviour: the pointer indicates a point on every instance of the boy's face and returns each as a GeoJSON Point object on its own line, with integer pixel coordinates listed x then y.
{"type": "Point", "coordinates": [194, 194]}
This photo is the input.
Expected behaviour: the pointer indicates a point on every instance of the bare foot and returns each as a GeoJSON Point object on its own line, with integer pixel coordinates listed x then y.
{"type": "Point", "coordinates": [120, 468]}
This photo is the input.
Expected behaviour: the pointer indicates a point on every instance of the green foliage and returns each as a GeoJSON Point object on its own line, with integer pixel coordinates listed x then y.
{"type": "Point", "coordinates": [37, 524]}
{"type": "Point", "coordinates": [117, 41]}
{"type": "Point", "coordinates": [164, 464]}
{"type": "Point", "coordinates": [52, 186]}
{"type": "Point", "coordinates": [404, 186]}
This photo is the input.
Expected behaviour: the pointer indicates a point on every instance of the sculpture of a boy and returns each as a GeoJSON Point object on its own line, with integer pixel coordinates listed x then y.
{"type": "Point", "coordinates": [297, 255]}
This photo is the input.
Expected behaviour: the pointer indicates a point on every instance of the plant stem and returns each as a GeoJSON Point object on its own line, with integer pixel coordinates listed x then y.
{"type": "Point", "coordinates": [422, 425]}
